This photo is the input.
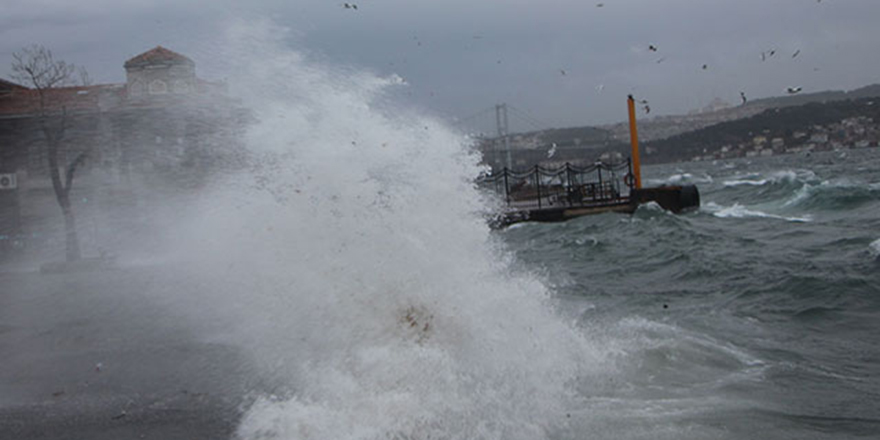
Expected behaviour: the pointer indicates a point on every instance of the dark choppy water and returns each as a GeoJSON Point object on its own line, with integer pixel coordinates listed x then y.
{"type": "Point", "coordinates": [756, 317]}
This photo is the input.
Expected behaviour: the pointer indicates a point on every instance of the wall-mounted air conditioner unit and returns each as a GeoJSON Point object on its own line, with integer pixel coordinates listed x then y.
{"type": "Point", "coordinates": [8, 181]}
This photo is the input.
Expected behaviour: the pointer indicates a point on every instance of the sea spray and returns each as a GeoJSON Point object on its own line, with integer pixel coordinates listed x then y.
{"type": "Point", "coordinates": [874, 248]}
{"type": "Point", "coordinates": [353, 262]}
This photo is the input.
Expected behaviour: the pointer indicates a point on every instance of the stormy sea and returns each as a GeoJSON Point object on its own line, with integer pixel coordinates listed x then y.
{"type": "Point", "coordinates": [753, 317]}
{"type": "Point", "coordinates": [345, 285]}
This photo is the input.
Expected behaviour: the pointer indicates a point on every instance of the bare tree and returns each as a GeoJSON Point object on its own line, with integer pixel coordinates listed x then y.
{"type": "Point", "coordinates": [36, 67]}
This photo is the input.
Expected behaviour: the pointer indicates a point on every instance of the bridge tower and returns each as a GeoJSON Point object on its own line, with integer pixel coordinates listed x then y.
{"type": "Point", "coordinates": [503, 131]}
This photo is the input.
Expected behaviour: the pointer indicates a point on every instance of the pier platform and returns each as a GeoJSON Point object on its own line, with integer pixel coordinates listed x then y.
{"type": "Point", "coordinates": [542, 194]}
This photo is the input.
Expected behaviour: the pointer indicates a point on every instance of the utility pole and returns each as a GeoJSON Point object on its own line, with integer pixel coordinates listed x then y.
{"type": "Point", "coordinates": [503, 132]}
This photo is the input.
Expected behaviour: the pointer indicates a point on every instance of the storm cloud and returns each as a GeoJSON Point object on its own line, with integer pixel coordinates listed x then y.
{"type": "Point", "coordinates": [562, 62]}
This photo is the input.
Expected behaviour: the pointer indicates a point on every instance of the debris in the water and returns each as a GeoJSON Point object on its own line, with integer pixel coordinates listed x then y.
{"type": "Point", "coordinates": [794, 90]}
{"type": "Point", "coordinates": [796, 53]}
{"type": "Point", "coordinates": [98, 367]}
{"type": "Point", "coordinates": [652, 48]}
{"type": "Point", "coordinates": [58, 393]}
{"type": "Point", "coordinates": [119, 416]}
{"type": "Point", "coordinates": [418, 320]}
{"type": "Point", "coordinates": [665, 306]}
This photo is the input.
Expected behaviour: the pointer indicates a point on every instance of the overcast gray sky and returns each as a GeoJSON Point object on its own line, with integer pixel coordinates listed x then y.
{"type": "Point", "coordinates": [461, 57]}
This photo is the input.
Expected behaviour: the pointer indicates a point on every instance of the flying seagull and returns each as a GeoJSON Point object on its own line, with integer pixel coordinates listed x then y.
{"type": "Point", "coordinates": [794, 90]}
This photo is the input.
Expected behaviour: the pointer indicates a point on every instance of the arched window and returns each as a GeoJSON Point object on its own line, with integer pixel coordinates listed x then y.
{"type": "Point", "coordinates": [136, 88]}
{"type": "Point", "coordinates": [181, 86]}
{"type": "Point", "coordinates": [158, 87]}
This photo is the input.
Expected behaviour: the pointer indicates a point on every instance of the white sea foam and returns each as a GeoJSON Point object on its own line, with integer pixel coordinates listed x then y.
{"type": "Point", "coordinates": [785, 176]}
{"type": "Point", "coordinates": [356, 270]}
{"type": "Point", "coordinates": [739, 211]}
{"type": "Point", "coordinates": [680, 179]}
{"type": "Point", "coordinates": [745, 182]}
{"type": "Point", "coordinates": [874, 248]}
{"type": "Point", "coordinates": [652, 206]}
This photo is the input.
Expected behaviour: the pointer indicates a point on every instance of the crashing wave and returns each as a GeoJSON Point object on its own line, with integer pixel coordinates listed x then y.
{"type": "Point", "coordinates": [833, 194]}
{"type": "Point", "coordinates": [359, 275]}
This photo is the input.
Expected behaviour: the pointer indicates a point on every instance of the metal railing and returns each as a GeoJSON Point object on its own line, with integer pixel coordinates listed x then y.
{"type": "Point", "coordinates": [566, 186]}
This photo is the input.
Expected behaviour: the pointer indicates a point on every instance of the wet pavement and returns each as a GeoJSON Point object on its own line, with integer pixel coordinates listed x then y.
{"type": "Point", "coordinates": [105, 355]}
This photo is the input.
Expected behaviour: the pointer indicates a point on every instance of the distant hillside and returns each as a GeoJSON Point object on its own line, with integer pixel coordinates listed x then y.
{"type": "Point", "coordinates": [575, 145]}
{"type": "Point", "coordinates": [681, 137]}
{"type": "Point", "coordinates": [792, 124]}
{"type": "Point", "coordinates": [827, 96]}
{"type": "Point", "coordinates": [662, 127]}
{"type": "Point", "coordinates": [562, 137]}
{"type": "Point", "coordinates": [575, 135]}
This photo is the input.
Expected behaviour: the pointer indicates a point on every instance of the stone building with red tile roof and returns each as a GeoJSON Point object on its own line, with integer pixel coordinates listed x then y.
{"type": "Point", "coordinates": [164, 129]}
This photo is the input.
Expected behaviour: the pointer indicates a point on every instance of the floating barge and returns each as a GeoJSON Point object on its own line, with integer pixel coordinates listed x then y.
{"type": "Point", "coordinates": [542, 194]}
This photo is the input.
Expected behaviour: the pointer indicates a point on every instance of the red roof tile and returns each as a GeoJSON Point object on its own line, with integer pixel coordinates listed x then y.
{"type": "Point", "coordinates": [24, 102]}
{"type": "Point", "coordinates": [158, 55]}
{"type": "Point", "coordinates": [9, 86]}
